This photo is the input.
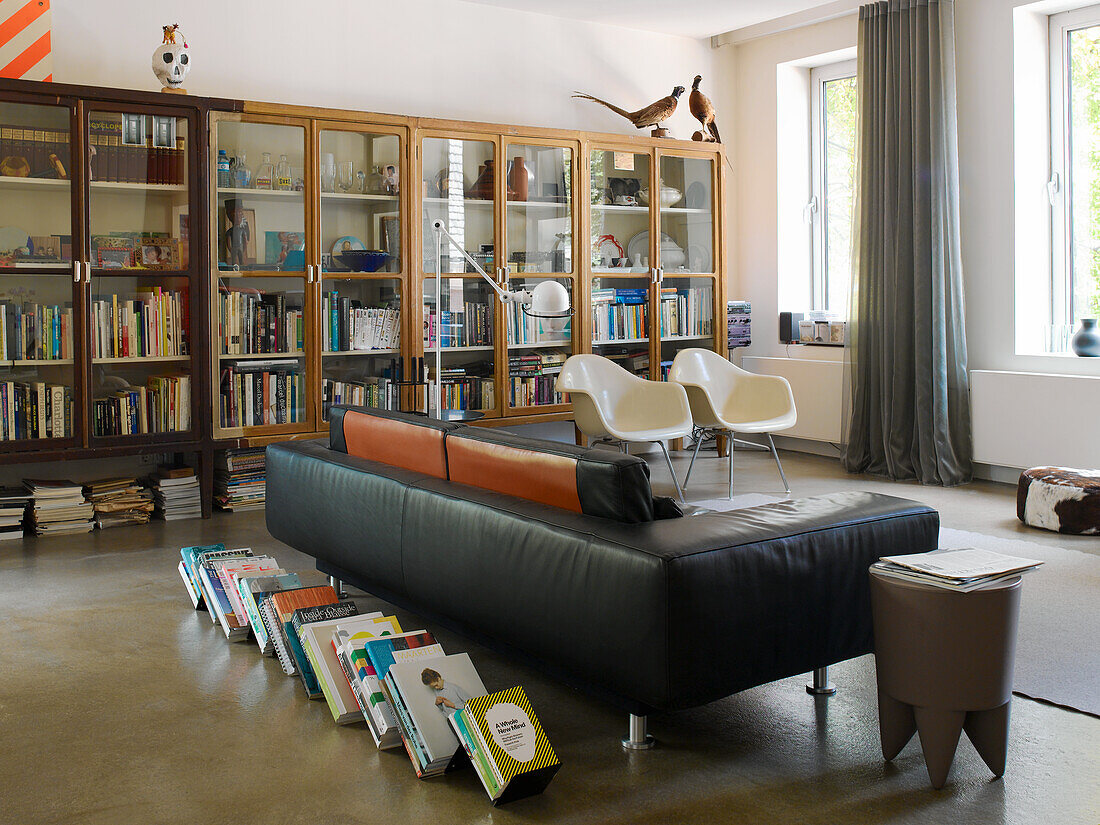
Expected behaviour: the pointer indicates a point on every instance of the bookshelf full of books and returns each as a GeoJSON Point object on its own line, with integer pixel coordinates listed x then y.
{"type": "Point", "coordinates": [360, 342]}
{"type": "Point", "coordinates": [263, 299]}
{"type": "Point", "coordinates": [465, 331]}
{"type": "Point", "coordinates": [537, 349]}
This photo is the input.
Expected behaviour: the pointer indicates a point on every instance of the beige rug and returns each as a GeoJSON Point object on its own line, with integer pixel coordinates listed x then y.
{"type": "Point", "coordinates": [1057, 652]}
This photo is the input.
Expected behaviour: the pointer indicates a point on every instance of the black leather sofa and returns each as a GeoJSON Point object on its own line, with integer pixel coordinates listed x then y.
{"type": "Point", "coordinates": [560, 555]}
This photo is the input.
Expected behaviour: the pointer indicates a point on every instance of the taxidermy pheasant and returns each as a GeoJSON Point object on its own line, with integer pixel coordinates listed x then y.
{"type": "Point", "coordinates": [703, 110]}
{"type": "Point", "coordinates": [652, 115]}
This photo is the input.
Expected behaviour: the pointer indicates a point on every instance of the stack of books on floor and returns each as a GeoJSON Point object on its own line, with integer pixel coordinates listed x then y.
{"type": "Point", "coordinates": [13, 510]}
{"type": "Point", "coordinates": [119, 501]}
{"type": "Point", "coordinates": [410, 694]}
{"type": "Point", "coordinates": [176, 493]}
{"type": "Point", "coordinates": [240, 479]}
{"type": "Point", "coordinates": [961, 570]}
{"type": "Point", "coordinates": [58, 508]}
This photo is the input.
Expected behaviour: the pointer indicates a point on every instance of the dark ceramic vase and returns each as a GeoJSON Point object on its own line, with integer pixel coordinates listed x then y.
{"type": "Point", "coordinates": [1086, 341]}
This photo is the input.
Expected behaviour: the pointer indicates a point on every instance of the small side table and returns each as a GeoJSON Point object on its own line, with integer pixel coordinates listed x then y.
{"type": "Point", "coordinates": [944, 662]}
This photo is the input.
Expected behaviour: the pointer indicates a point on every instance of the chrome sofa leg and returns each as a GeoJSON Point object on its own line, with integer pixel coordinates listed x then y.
{"type": "Point", "coordinates": [638, 740]}
{"type": "Point", "coordinates": [779, 464]}
{"type": "Point", "coordinates": [694, 454]}
{"type": "Point", "coordinates": [338, 586]}
{"type": "Point", "coordinates": [668, 461]}
{"type": "Point", "coordinates": [821, 685]}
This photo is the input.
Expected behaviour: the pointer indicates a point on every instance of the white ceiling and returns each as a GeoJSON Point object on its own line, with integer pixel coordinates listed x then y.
{"type": "Point", "coordinates": [687, 18]}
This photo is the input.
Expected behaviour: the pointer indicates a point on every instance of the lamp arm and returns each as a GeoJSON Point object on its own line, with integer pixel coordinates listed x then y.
{"type": "Point", "coordinates": [506, 295]}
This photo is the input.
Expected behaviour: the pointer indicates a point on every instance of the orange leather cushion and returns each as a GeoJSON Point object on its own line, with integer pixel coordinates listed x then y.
{"type": "Point", "coordinates": [530, 474]}
{"type": "Point", "coordinates": [397, 443]}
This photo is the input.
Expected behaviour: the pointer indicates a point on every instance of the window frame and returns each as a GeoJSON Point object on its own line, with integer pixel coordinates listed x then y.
{"type": "Point", "coordinates": [1059, 192]}
{"type": "Point", "coordinates": [816, 208]}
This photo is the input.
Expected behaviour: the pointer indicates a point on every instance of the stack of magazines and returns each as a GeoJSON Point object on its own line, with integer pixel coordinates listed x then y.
{"type": "Point", "coordinates": [963, 570]}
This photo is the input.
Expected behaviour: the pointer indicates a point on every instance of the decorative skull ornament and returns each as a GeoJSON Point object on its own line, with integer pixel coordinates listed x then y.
{"type": "Point", "coordinates": [172, 61]}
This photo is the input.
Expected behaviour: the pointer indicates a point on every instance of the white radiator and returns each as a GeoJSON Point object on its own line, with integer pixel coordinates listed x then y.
{"type": "Point", "coordinates": [1027, 419]}
{"type": "Point", "coordinates": [818, 388]}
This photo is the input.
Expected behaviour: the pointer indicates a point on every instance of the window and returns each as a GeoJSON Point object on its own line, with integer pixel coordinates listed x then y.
{"type": "Point", "coordinates": [833, 168]}
{"type": "Point", "coordinates": [1074, 186]}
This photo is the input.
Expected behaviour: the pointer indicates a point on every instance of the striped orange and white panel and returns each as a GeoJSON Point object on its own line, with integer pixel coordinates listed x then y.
{"type": "Point", "coordinates": [25, 51]}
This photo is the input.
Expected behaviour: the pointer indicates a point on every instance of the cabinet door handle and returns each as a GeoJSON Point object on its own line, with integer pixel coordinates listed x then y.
{"type": "Point", "coordinates": [88, 272]}
{"type": "Point", "coordinates": [76, 272]}
{"type": "Point", "coordinates": [309, 273]}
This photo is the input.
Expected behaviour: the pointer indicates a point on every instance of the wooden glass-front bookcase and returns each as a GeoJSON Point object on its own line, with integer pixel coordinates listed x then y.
{"type": "Point", "coordinates": [185, 274]}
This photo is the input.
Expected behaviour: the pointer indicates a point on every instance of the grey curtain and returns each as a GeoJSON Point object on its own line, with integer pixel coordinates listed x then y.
{"type": "Point", "coordinates": [908, 393]}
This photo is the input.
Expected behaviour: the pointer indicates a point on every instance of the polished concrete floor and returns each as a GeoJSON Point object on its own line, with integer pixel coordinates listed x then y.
{"type": "Point", "coordinates": [120, 704]}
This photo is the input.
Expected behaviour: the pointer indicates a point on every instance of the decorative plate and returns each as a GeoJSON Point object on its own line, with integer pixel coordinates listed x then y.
{"type": "Point", "coordinates": [639, 244]}
{"type": "Point", "coordinates": [353, 245]}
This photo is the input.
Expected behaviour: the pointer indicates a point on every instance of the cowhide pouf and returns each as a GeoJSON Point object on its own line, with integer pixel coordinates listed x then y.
{"type": "Point", "coordinates": [1060, 499]}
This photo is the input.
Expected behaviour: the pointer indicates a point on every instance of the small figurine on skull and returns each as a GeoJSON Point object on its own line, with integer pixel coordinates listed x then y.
{"type": "Point", "coordinates": [172, 60]}
{"type": "Point", "coordinates": [237, 235]}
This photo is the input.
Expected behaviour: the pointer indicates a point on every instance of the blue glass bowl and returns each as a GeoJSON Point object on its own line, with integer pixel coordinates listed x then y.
{"type": "Point", "coordinates": [363, 260]}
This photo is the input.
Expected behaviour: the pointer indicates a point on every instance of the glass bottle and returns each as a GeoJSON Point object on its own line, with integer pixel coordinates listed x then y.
{"type": "Point", "coordinates": [374, 182]}
{"type": "Point", "coordinates": [283, 180]}
{"type": "Point", "coordinates": [225, 179]}
{"type": "Point", "coordinates": [243, 175]}
{"type": "Point", "coordinates": [265, 174]}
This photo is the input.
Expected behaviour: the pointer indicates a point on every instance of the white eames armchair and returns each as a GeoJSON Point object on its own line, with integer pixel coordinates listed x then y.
{"type": "Point", "coordinates": [611, 404]}
{"type": "Point", "coordinates": [726, 398]}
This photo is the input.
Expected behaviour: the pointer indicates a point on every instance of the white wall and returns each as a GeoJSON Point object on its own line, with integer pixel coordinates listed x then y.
{"type": "Point", "coordinates": [985, 83]}
{"type": "Point", "coordinates": [430, 58]}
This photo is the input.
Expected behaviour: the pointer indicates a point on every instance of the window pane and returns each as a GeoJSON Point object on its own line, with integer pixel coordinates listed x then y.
{"type": "Point", "coordinates": [1084, 171]}
{"type": "Point", "coordinates": [839, 120]}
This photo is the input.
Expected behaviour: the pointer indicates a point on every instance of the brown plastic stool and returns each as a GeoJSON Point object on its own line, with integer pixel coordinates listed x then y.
{"type": "Point", "coordinates": [944, 662]}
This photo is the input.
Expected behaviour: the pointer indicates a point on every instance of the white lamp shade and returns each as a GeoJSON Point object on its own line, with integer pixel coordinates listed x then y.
{"type": "Point", "coordinates": [550, 300]}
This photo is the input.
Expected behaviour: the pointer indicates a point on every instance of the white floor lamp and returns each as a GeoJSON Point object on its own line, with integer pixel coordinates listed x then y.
{"type": "Point", "coordinates": [549, 300]}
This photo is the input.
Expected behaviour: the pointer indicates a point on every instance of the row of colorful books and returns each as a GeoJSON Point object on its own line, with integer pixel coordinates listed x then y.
{"type": "Point", "coordinates": [36, 332]}
{"type": "Point", "coordinates": [152, 324]}
{"type": "Point", "coordinates": [258, 393]}
{"type": "Point", "coordinates": [35, 409]}
{"type": "Point", "coordinates": [378, 392]}
{"type": "Point", "coordinates": [688, 311]}
{"type": "Point", "coordinates": [472, 326]}
{"type": "Point", "coordinates": [254, 322]}
{"type": "Point", "coordinates": [350, 326]}
{"type": "Point", "coordinates": [163, 405]}
{"type": "Point", "coordinates": [401, 684]}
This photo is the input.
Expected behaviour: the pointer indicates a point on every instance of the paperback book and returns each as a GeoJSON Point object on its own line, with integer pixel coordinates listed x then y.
{"type": "Point", "coordinates": [349, 645]}
{"type": "Point", "coordinates": [381, 654]}
{"type": "Point", "coordinates": [254, 590]}
{"type": "Point", "coordinates": [281, 607]}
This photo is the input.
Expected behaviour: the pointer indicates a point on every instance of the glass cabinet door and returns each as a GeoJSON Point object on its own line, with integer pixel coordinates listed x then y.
{"type": "Point", "coordinates": [139, 254]}
{"type": "Point", "coordinates": [687, 300]}
{"type": "Point", "coordinates": [537, 349]}
{"type": "Point", "coordinates": [621, 220]}
{"type": "Point", "coordinates": [360, 342]}
{"type": "Point", "coordinates": [262, 296]}
{"type": "Point", "coordinates": [463, 327]}
{"type": "Point", "coordinates": [459, 185]}
{"type": "Point", "coordinates": [688, 227]}
{"type": "Point", "coordinates": [538, 218]}
{"type": "Point", "coordinates": [360, 175]}
{"type": "Point", "coordinates": [38, 379]}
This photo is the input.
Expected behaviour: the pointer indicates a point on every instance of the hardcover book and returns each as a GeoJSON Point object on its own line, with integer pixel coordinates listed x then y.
{"type": "Point", "coordinates": [281, 607]}
{"type": "Point", "coordinates": [430, 691]}
{"type": "Point", "coordinates": [348, 643]}
{"type": "Point", "coordinates": [381, 654]}
{"type": "Point", "coordinates": [303, 616]}
{"type": "Point", "coordinates": [318, 641]}
{"type": "Point", "coordinates": [508, 738]}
